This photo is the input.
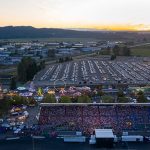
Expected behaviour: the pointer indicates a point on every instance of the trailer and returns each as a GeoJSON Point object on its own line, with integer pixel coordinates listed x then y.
{"type": "Point", "coordinates": [75, 139]}
{"type": "Point", "coordinates": [132, 138]}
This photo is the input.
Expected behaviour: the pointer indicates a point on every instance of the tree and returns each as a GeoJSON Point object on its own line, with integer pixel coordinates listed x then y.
{"type": "Point", "coordinates": [31, 102]}
{"type": "Point", "coordinates": [141, 97]}
{"type": "Point", "coordinates": [65, 99]}
{"type": "Point", "coordinates": [116, 50]}
{"type": "Point", "coordinates": [107, 99]}
{"type": "Point", "coordinates": [65, 59]}
{"type": "Point", "coordinates": [61, 60]}
{"type": "Point", "coordinates": [113, 57]}
{"type": "Point", "coordinates": [31, 70]}
{"type": "Point", "coordinates": [108, 50]}
{"type": "Point", "coordinates": [120, 93]}
{"type": "Point", "coordinates": [13, 84]}
{"type": "Point", "coordinates": [126, 51]}
{"type": "Point", "coordinates": [140, 93]}
{"type": "Point", "coordinates": [123, 100]}
{"type": "Point", "coordinates": [84, 99]}
{"type": "Point", "coordinates": [26, 69]}
{"type": "Point", "coordinates": [49, 98]}
{"type": "Point", "coordinates": [18, 100]}
{"type": "Point", "coordinates": [21, 72]}
{"type": "Point", "coordinates": [100, 93]}
{"type": "Point", "coordinates": [121, 97]}
{"type": "Point", "coordinates": [42, 64]}
{"type": "Point", "coordinates": [4, 106]}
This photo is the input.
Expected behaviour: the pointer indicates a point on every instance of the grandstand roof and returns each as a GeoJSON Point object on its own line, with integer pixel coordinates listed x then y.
{"type": "Point", "coordinates": [104, 133]}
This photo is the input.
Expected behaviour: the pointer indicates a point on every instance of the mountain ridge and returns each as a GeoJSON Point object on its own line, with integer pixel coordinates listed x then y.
{"type": "Point", "coordinates": [14, 32]}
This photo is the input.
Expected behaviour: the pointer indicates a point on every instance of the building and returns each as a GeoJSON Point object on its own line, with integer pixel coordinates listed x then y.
{"type": "Point", "coordinates": [104, 138]}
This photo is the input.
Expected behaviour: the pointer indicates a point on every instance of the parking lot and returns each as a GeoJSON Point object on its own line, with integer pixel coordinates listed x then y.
{"type": "Point", "coordinates": [96, 71]}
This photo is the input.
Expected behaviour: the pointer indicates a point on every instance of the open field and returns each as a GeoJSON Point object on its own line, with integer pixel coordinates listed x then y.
{"type": "Point", "coordinates": [141, 51]}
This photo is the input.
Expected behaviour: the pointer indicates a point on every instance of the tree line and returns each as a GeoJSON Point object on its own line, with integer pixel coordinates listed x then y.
{"type": "Point", "coordinates": [65, 59]}
{"type": "Point", "coordinates": [121, 51]}
{"type": "Point", "coordinates": [27, 69]}
{"type": "Point", "coordinates": [116, 51]}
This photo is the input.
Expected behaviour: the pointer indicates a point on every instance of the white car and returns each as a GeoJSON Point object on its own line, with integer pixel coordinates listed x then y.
{"type": "Point", "coordinates": [134, 100]}
{"type": "Point", "coordinates": [24, 107]}
{"type": "Point", "coordinates": [148, 98]}
{"type": "Point", "coordinates": [5, 125]}
{"type": "Point", "coordinates": [1, 120]}
{"type": "Point", "coordinates": [26, 113]}
{"type": "Point", "coordinates": [17, 131]}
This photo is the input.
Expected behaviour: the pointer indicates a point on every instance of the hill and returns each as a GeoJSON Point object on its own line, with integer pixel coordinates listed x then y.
{"type": "Point", "coordinates": [14, 32]}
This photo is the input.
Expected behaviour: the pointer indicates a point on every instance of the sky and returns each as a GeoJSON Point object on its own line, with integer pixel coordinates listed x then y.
{"type": "Point", "coordinates": [94, 14]}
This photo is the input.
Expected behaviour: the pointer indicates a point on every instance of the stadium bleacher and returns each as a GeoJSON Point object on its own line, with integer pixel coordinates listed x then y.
{"type": "Point", "coordinates": [86, 118]}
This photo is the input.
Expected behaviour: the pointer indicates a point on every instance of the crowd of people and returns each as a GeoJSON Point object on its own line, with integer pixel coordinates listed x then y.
{"type": "Point", "coordinates": [86, 118]}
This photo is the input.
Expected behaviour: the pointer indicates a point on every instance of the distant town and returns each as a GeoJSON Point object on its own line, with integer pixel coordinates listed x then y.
{"type": "Point", "coordinates": [11, 53]}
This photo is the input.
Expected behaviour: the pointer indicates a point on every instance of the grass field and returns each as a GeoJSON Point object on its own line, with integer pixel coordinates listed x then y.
{"type": "Point", "coordinates": [141, 51]}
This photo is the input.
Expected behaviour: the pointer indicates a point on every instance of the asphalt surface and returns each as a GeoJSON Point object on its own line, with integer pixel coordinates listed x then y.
{"type": "Point", "coordinates": [94, 71]}
{"type": "Point", "coordinates": [33, 112]}
{"type": "Point", "coordinates": [58, 144]}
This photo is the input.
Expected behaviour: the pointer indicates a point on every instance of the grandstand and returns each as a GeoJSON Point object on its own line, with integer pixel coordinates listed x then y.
{"type": "Point", "coordinates": [88, 117]}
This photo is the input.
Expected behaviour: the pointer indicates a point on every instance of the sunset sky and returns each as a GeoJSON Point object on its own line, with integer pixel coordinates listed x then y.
{"type": "Point", "coordinates": [95, 14]}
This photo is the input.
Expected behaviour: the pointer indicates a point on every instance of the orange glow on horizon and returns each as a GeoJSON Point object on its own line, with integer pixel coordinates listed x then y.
{"type": "Point", "coordinates": [113, 15]}
{"type": "Point", "coordinates": [78, 25]}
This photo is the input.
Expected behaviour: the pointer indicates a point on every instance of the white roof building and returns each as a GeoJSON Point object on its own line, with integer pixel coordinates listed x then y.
{"type": "Point", "coordinates": [104, 133]}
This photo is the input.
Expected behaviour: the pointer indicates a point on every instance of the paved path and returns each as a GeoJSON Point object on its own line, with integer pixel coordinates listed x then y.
{"type": "Point", "coordinates": [33, 112]}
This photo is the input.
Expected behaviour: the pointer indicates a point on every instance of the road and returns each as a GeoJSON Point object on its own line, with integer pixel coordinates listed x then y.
{"type": "Point", "coordinates": [138, 45]}
{"type": "Point", "coordinates": [33, 111]}
{"type": "Point", "coordinates": [8, 70]}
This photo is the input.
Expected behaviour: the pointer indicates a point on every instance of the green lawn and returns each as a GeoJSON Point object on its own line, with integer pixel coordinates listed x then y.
{"type": "Point", "coordinates": [141, 51]}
